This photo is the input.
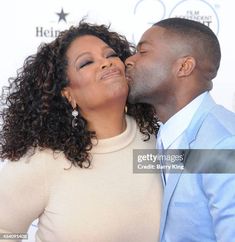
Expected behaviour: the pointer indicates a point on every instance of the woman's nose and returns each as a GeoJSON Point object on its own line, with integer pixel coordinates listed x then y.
{"type": "Point", "coordinates": [106, 63]}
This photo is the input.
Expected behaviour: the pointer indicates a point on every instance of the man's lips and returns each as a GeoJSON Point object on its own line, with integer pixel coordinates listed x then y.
{"type": "Point", "coordinates": [128, 77]}
{"type": "Point", "coordinates": [110, 73]}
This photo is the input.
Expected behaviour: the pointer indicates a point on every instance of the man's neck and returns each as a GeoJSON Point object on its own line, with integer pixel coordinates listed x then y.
{"type": "Point", "coordinates": [166, 110]}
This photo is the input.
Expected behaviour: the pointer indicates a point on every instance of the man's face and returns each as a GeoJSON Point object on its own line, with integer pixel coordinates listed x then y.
{"type": "Point", "coordinates": [150, 70]}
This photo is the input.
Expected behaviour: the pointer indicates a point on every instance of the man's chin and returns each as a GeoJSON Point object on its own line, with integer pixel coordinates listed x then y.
{"type": "Point", "coordinates": [132, 98]}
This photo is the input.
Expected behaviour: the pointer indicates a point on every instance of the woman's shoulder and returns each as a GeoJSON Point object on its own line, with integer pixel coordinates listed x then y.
{"type": "Point", "coordinates": [39, 159]}
{"type": "Point", "coordinates": [141, 140]}
{"type": "Point", "coordinates": [145, 142]}
{"type": "Point", "coordinates": [47, 157]}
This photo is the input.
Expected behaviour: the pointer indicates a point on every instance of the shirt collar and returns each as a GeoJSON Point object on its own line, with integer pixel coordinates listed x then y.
{"type": "Point", "coordinates": [179, 122]}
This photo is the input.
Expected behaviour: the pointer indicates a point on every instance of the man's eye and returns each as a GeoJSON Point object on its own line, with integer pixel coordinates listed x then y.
{"type": "Point", "coordinates": [86, 63]}
{"type": "Point", "coordinates": [142, 51]}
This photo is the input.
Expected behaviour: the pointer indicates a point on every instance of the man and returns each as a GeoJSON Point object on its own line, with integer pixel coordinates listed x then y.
{"type": "Point", "coordinates": [173, 68]}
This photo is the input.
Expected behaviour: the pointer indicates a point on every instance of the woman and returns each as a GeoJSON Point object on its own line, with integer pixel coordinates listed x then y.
{"type": "Point", "coordinates": [66, 128]}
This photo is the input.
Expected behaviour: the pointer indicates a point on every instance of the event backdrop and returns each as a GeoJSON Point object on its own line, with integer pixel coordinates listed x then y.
{"type": "Point", "coordinates": [25, 24]}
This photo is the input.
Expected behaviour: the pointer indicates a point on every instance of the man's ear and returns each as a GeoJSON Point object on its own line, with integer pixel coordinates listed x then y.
{"type": "Point", "coordinates": [186, 65]}
{"type": "Point", "coordinates": [67, 93]}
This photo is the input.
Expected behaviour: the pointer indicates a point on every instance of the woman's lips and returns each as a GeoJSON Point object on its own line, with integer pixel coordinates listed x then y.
{"type": "Point", "coordinates": [110, 73]}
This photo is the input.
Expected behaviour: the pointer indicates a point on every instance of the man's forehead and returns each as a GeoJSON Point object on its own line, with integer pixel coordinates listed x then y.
{"type": "Point", "coordinates": [142, 43]}
{"type": "Point", "coordinates": [151, 35]}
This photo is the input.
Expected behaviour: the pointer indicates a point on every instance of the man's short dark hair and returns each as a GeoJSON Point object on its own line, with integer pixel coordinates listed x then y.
{"type": "Point", "coordinates": [198, 33]}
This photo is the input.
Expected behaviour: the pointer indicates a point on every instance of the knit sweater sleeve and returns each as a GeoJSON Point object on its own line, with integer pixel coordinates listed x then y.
{"type": "Point", "coordinates": [23, 193]}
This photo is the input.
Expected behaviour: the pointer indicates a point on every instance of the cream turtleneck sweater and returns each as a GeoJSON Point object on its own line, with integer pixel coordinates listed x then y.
{"type": "Point", "coordinates": [105, 203]}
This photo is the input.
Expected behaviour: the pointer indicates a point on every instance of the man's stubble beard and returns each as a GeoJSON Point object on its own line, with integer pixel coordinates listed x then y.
{"type": "Point", "coordinates": [138, 95]}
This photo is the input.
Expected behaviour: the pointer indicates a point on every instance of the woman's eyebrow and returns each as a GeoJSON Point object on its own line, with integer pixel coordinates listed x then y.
{"type": "Point", "coordinates": [82, 54]}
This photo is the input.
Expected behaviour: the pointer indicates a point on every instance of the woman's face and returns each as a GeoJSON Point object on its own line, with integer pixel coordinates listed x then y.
{"type": "Point", "coordinates": [96, 74]}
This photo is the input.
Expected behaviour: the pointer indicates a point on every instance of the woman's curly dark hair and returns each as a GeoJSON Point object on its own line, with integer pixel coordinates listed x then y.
{"type": "Point", "coordinates": [37, 115]}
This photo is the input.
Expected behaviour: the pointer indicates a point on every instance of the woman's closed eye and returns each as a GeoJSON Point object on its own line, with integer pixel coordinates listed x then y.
{"type": "Point", "coordinates": [112, 54]}
{"type": "Point", "coordinates": [85, 63]}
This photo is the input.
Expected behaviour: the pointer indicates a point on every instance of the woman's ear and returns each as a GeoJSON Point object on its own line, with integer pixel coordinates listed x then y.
{"type": "Point", "coordinates": [67, 93]}
{"type": "Point", "coordinates": [186, 65]}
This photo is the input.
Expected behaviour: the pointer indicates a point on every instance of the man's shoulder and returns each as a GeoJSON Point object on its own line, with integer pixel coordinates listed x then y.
{"type": "Point", "coordinates": [216, 127]}
{"type": "Point", "coordinates": [222, 119]}
{"type": "Point", "coordinates": [218, 115]}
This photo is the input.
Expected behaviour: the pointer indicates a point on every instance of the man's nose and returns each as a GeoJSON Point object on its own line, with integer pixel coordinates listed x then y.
{"type": "Point", "coordinates": [129, 62]}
